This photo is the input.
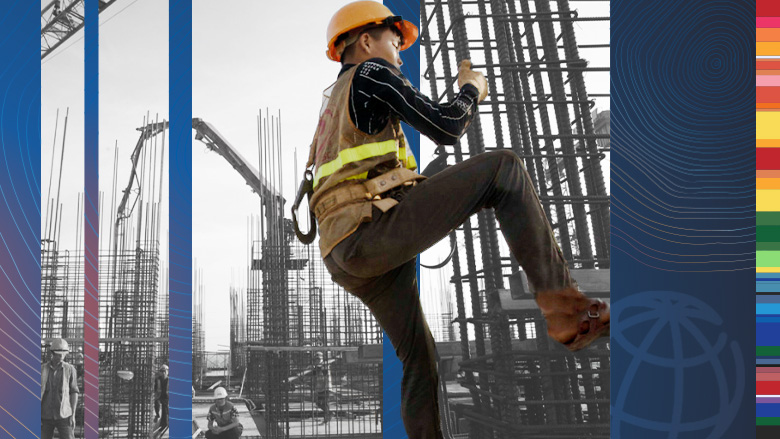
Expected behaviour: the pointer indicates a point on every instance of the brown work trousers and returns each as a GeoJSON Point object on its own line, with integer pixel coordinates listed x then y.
{"type": "Point", "coordinates": [377, 262]}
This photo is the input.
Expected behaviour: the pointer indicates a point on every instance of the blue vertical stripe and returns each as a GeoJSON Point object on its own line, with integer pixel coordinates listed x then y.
{"type": "Point", "coordinates": [20, 219]}
{"type": "Point", "coordinates": [91, 221]}
{"type": "Point", "coordinates": [180, 217]}
{"type": "Point", "coordinates": [392, 426]}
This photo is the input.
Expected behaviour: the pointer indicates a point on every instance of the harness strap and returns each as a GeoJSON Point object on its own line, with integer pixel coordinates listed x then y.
{"type": "Point", "coordinates": [369, 190]}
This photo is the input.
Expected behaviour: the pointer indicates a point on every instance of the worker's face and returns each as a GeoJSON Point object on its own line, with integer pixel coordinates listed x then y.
{"type": "Point", "coordinates": [164, 373]}
{"type": "Point", "coordinates": [387, 47]}
{"type": "Point", "coordinates": [219, 402]}
{"type": "Point", "coordinates": [57, 357]}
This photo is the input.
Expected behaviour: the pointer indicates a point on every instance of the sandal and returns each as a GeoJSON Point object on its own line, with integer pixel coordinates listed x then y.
{"type": "Point", "coordinates": [574, 320]}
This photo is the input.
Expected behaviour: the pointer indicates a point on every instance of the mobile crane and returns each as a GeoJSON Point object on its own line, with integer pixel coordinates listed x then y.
{"type": "Point", "coordinates": [280, 228]}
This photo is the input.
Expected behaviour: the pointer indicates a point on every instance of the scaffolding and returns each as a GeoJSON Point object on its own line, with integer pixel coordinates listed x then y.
{"type": "Point", "coordinates": [294, 311]}
{"type": "Point", "coordinates": [511, 380]}
{"type": "Point", "coordinates": [198, 334]}
{"type": "Point", "coordinates": [133, 304]}
{"type": "Point", "coordinates": [133, 293]}
{"type": "Point", "coordinates": [284, 335]}
{"type": "Point", "coordinates": [62, 270]}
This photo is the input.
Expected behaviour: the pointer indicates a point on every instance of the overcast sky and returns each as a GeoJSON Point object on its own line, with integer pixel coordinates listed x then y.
{"type": "Point", "coordinates": [249, 56]}
{"type": "Point", "coordinates": [133, 81]}
{"type": "Point", "coordinates": [62, 87]}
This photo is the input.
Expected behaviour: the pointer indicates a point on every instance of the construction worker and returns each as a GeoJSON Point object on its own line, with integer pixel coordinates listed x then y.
{"type": "Point", "coordinates": [223, 418]}
{"type": "Point", "coordinates": [161, 396]}
{"type": "Point", "coordinates": [322, 385]}
{"type": "Point", "coordinates": [59, 393]}
{"type": "Point", "coordinates": [375, 214]}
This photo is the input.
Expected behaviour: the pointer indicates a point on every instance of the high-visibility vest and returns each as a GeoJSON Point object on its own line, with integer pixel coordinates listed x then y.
{"type": "Point", "coordinates": [344, 155]}
{"type": "Point", "coordinates": [68, 377]}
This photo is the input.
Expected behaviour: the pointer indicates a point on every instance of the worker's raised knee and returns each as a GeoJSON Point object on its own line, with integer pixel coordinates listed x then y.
{"type": "Point", "coordinates": [504, 156]}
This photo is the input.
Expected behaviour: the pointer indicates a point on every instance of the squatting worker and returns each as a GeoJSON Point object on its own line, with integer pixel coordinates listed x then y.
{"type": "Point", "coordinates": [376, 214]}
{"type": "Point", "coordinates": [223, 418]}
{"type": "Point", "coordinates": [59, 393]}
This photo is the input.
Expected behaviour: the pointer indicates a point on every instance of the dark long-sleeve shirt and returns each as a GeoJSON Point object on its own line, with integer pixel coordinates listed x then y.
{"type": "Point", "coordinates": [379, 90]}
{"type": "Point", "coordinates": [161, 387]}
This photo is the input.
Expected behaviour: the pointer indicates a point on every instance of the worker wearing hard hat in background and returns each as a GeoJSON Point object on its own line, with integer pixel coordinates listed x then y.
{"type": "Point", "coordinates": [223, 418]}
{"type": "Point", "coordinates": [376, 214]}
{"type": "Point", "coordinates": [322, 385]}
{"type": "Point", "coordinates": [59, 393]}
{"type": "Point", "coordinates": [161, 395]}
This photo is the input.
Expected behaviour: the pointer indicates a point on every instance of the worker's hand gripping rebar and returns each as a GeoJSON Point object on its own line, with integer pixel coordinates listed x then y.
{"type": "Point", "coordinates": [305, 189]}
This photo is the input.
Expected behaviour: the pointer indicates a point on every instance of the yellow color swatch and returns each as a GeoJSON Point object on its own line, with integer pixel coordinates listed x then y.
{"type": "Point", "coordinates": [767, 125]}
{"type": "Point", "coordinates": [767, 200]}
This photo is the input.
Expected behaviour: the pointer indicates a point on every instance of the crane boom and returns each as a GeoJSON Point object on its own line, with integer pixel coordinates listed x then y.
{"type": "Point", "coordinates": [207, 134]}
{"type": "Point", "coordinates": [61, 19]}
{"type": "Point", "coordinates": [147, 132]}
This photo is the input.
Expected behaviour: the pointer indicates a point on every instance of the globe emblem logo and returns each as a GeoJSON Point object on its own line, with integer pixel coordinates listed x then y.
{"type": "Point", "coordinates": [668, 347]}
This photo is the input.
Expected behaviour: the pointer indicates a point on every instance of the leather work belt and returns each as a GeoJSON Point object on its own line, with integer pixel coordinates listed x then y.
{"type": "Point", "coordinates": [369, 190]}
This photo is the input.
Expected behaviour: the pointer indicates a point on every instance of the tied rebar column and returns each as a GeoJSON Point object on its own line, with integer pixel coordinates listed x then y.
{"type": "Point", "coordinates": [521, 383]}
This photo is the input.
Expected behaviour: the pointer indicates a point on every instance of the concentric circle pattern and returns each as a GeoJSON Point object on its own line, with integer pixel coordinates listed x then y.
{"type": "Point", "coordinates": [683, 218]}
{"type": "Point", "coordinates": [682, 169]}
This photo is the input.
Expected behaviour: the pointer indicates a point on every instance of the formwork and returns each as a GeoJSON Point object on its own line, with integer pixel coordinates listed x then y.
{"type": "Point", "coordinates": [293, 312]}
{"type": "Point", "coordinates": [512, 381]}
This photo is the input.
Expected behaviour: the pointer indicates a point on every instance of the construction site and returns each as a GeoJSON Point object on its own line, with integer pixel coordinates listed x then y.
{"type": "Point", "coordinates": [133, 289]}
{"type": "Point", "coordinates": [502, 376]}
{"type": "Point", "coordinates": [132, 284]}
{"type": "Point", "coordinates": [304, 357]}
{"type": "Point", "coordinates": [286, 313]}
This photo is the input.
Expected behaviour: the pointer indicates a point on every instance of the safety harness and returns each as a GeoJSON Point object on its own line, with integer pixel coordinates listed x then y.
{"type": "Point", "coordinates": [342, 187]}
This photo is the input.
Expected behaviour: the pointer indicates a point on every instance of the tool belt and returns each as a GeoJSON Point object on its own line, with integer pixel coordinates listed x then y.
{"type": "Point", "coordinates": [373, 190]}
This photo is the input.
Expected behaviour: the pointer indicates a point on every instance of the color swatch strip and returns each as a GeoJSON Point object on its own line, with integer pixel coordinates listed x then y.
{"type": "Point", "coordinates": [767, 214]}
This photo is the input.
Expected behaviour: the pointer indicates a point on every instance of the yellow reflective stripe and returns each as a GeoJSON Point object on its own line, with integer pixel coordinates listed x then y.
{"type": "Point", "coordinates": [354, 154]}
{"type": "Point", "coordinates": [362, 175]}
{"type": "Point", "coordinates": [408, 161]}
{"type": "Point", "coordinates": [411, 163]}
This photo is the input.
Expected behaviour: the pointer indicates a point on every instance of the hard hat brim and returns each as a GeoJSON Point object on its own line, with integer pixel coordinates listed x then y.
{"type": "Point", "coordinates": [408, 30]}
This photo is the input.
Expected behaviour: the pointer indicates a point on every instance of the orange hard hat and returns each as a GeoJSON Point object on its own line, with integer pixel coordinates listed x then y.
{"type": "Point", "coordinates": [365, 13]}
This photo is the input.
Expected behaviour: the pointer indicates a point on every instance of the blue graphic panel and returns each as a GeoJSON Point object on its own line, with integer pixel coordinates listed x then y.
{"type": "Point", "coordinates": [683, 219]}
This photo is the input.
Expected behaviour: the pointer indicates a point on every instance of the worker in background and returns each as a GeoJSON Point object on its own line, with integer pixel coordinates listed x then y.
{"type": "Point", "coordinates": [376, 214]}
{"type": "Point", "coordinates": [223, 418]}
{"type": "Point", "coordinates": [59, 393]}
{"type": "Point", "coordinates": [161, 396]}
{"type": "Point", "coordinates": [322, 385]}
